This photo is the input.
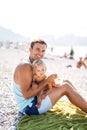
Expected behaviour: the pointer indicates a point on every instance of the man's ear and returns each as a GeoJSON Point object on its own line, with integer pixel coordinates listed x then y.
{"type": "Point", "coordinates": [30, 49]}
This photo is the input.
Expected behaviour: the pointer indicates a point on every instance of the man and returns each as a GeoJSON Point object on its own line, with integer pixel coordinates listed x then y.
{"type": "Point", "coordinates": [26, 96]}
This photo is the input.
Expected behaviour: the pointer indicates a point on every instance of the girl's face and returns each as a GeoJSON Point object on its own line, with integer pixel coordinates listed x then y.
{"type": "Point", "coordinates": [40, 70]}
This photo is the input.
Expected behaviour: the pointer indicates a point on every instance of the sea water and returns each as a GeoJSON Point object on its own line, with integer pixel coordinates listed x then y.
{"type": "Point", "coordinates": [79, 51]}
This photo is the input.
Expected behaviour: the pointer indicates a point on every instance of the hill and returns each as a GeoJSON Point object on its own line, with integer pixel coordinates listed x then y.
{"type": "Point", "coordinates": [67, 40]}
{"type": "Point", "coordinates": [8, 35]}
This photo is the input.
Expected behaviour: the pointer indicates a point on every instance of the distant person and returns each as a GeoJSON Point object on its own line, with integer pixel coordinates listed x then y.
{"type": "Point", "coordinates": [39, 74]}
{"type": "Point", "coordinates": [51, 49]}
{"type": "Point", "coordinates": [81, 63]}
{"type": "Point", "coordinates": [71, 54]}
{"type": "Point", "coordinates": [65, 55]}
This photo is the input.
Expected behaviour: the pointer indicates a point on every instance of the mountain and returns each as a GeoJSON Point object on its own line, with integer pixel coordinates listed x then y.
{"type": "Point", "coordinates": [72, 40]}
{"type": "Point", "coordinates": [8, 35]}
{"type": "Point", "coordinates": [67, 40]}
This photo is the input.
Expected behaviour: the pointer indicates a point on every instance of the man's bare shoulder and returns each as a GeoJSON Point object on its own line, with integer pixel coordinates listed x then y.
{"type": "Point", "coordinates": [23, 67]}
{"type": "Point", "coordinates": [22, 71]}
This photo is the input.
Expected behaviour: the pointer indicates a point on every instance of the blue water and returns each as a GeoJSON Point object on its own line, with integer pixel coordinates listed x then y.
{"type": "Point", "coordinates": [79, 51]}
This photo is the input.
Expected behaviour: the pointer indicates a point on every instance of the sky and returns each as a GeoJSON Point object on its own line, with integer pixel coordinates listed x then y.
{"type": "Point", "coordinates": [34, 18]}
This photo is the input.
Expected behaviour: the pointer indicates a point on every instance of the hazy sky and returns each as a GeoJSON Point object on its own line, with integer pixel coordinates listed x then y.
{"type": "Point", "coordinates": [33, 18]}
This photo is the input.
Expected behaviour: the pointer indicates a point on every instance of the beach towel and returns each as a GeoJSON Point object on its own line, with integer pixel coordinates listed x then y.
{"type": "Point", "coordinates": [63, 116]}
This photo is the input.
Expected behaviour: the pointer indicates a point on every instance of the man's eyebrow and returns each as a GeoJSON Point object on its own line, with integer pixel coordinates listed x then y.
{"type": "Point", "coordinates": [43, 50]}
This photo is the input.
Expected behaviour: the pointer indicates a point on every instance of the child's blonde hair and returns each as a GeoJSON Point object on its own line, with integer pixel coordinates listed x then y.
{"type": "Point", "coordinates": [37, 62]}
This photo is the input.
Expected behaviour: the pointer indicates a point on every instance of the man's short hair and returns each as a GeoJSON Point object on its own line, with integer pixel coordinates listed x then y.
{"type": "Point", "coordinates": [37, 41]}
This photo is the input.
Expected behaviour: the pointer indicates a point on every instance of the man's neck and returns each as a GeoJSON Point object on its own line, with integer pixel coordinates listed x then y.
{"type": "Point", "coordinates": [31, 60]}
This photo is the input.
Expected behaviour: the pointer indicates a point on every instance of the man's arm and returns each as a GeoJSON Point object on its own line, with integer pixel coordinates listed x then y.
{"type": "Point", "coordinates": [23, 76]}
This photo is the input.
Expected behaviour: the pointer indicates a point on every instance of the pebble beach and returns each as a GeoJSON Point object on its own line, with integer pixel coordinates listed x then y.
{"type": "Point", "coordinates": [9, 58]}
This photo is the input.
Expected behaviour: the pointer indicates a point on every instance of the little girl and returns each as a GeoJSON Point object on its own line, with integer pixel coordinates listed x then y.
{"type": "Point", "coordinates": [39, 74]}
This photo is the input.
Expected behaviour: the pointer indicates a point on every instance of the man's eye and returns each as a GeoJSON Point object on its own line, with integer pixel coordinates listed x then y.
{"type": "Point", "coordinates": [37, 49]}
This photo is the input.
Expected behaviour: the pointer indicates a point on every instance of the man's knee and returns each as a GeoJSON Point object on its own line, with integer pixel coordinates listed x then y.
{"type": "Point", "coordinates": [67, 87]}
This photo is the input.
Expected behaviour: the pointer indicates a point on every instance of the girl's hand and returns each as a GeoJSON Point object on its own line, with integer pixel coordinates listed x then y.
{"type": "Point", "coordinates": [51, 78]}
{"type": "Point", "coordinates": [34, 85]}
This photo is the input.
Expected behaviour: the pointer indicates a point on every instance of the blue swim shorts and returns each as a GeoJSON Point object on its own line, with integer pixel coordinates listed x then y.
{"type": "Point", "coordinates": [31, 109]}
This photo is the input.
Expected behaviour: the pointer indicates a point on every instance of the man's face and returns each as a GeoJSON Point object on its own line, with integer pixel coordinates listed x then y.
{"type": "Point", "coordinates": [38, 51]}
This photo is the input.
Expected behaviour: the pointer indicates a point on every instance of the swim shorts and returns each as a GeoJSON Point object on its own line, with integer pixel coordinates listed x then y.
{"type": "Point", "coordinates": [31, 109]}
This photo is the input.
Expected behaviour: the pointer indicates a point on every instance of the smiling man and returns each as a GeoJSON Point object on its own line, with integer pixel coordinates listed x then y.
{"type": "Point", "coordinates": [26, 97]}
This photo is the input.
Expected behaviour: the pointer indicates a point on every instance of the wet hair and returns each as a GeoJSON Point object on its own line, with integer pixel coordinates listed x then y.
{"type": "Point", "coordinates": [37, 41]}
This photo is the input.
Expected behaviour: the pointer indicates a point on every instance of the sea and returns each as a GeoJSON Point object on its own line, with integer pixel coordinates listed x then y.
{"type": "Point", "coordinates": [79, 51]}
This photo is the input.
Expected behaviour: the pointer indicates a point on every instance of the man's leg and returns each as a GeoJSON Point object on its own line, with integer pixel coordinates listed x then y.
{"type": "Point", "coordinates": [72, 94]}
